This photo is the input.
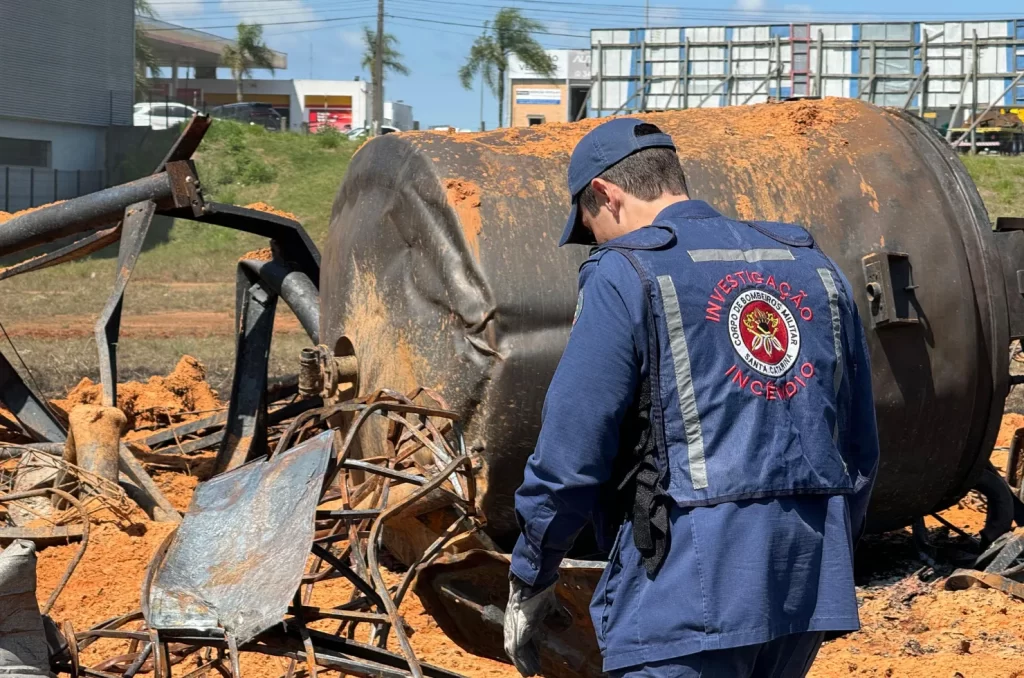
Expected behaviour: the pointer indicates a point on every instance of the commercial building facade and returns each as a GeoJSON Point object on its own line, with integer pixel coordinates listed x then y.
{"type": "Point", "coordinates": [305, 103]}
{"type": "Point", "coordinates": [929, 67]}
{"type": "Point", "coordinates": [535, 98]}
{"type": "Point", "coordinates": [66, 74]}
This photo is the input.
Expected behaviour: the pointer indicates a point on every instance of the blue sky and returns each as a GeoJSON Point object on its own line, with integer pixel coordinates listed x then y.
{"type": "Point", "coordinates": [322, 38]}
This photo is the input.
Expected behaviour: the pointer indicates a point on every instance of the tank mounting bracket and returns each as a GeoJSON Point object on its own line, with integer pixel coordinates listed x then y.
{"type": "Point", "coordinates": [890, 288]}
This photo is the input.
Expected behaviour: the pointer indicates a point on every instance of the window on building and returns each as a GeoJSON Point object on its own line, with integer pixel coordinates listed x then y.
{"type": "Point", "coordinates": [532, 120]}
{"type": "Point", "coordinates": [25, 152]}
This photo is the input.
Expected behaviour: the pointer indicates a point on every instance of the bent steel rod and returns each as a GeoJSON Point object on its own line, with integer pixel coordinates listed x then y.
{"type": "Point", "coordinates": [80, 214]}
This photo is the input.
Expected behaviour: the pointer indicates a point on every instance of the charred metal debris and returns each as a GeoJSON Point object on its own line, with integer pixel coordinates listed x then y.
{"type": "Point", "coordinates": [292, 507]}
{"type": "Point", "coordinates": [311, 482]}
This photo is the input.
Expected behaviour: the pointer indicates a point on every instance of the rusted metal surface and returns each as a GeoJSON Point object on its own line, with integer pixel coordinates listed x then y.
{"type": "Point", "coordinates": [34, 416]}
{"type": "Point", "coordinates": [466, 595]}
{"type": "Point", "coordinates": [962, 579]}
{"type": "Point", "coordinates": [1003, 568]}
{"type": "Point", "coordinates": [137, 219]}
{"type": "Point", "coordinates": [441, 267]}
{"type": "Point", "coordinates": [94, 439]}
{"type": "Point", "coordinates": [154, 502]}
{"type": "Point", "coordinates": [237, 566]}
{"type": "Point", "coordinates": [247, 531]}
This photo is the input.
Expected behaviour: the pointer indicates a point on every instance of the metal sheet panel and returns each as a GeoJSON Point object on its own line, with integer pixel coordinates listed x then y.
{"type": "Point", "coordinates": [238, 556]}
{"type": "Point", "coordinates": [68, 61]}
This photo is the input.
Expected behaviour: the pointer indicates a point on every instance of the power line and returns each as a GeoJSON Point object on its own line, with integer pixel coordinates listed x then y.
{"type": "Point", "coordinates": [406, 24]}
{"type": "Point", "coordinates": [713, 11]}
{"type": "Point", "coordinates": [268, 23]}
{"type": "Point", "coordinates": [272, 13]}
{"type": "Point", "coordinates": [481, 26]}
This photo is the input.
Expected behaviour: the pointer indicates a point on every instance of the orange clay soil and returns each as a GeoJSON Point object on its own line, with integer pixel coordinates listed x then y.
{"type": "Point", "coordinates": [270, 209]}
{"type": "Point", "coordinates": [910, 628]}
{"type": "Point", "coordinates": [464, 196]}
{"type": "Point", "coordinates": [5, 216]}
{"type": "Point", "coordinates": [778, 123]}
{"type": "Point", "coordinates": [182, 395]}
{"type": "Point", "coordinates": [262, 254]}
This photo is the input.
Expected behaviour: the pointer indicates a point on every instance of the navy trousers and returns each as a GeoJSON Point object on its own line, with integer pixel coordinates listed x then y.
{"type": "Point", "coordinates": [786, 657]}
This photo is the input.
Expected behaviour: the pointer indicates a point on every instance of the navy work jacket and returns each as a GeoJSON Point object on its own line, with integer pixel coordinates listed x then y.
{"type": "Point", "coordinates": [764, 420]}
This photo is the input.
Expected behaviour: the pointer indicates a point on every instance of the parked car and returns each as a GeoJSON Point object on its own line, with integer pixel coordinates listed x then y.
{"type": "Point", "coordinates": [365, 131]}
{"type": "Point", "coordinates": [162, 115]}
{"type": "Point", "coordinates": [249, 112]}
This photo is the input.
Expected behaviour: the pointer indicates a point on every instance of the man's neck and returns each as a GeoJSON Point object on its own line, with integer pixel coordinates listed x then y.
{"type": "Point", "coordinates": [644, 213]}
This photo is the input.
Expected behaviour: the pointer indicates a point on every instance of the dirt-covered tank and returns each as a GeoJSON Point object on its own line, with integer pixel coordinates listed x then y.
{"type": "Point", "coordinates": [441, 269]}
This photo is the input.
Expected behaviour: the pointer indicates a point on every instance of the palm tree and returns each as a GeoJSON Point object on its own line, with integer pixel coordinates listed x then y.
{"type": "Point", "coordinates": [509, 33]}
{"type": "Point", "coordinates": [146, 65]}
{"type": "Point", "coordinates": [391, 60]}
{"type": "Point", "coordinates": [248, 52]}
{"type": "Point", "coordinates": [391, 56]}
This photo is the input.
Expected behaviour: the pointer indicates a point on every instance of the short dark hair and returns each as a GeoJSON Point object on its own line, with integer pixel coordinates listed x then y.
{"type": "Point", "coordinates": [646, 174]}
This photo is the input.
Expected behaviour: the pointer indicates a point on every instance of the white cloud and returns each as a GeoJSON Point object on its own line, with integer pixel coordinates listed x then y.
{"type": "Point", "coordinates": [272, 11]}
{"type": "Point", "coordinates": [797, 8]}
{"type": "Point", "coordinates": [352, 39]}
{"type": "Point", "coordinates": [179, 11]}
{"type": "Point", "coordinates": [750, 5]}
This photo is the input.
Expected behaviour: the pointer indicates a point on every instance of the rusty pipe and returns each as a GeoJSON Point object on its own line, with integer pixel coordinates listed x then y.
{"type": "Point", "coordinates": [80, 214]}
{"type": "Point", "coordinates": [295, 287]}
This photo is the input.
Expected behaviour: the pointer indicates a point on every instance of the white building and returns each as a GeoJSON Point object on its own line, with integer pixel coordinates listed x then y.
{"type": "Point", "coordinates": [304, 103]}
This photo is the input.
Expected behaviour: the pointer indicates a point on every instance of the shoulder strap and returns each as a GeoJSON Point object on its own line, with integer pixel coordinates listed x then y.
{"type": "Point", "coordinates": [791, 234]}
{"type": "Point", "coordinates": [650, 505]}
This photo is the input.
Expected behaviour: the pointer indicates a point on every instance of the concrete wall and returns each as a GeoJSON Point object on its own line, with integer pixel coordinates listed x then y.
{"type": "Point", "coordinates": [67, 61]}
{"type": "Point", "coordinates": [72, 147]}
{"type": "Point", "coordinates": [134, 152]}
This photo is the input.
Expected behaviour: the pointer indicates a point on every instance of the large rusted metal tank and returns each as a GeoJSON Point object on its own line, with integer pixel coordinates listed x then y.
{"type": "Point", "coordinates": [441, 269]}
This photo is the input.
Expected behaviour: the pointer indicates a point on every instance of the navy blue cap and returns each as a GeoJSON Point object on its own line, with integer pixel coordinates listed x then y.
{"type": "Point", "coordinates": [601, 148]}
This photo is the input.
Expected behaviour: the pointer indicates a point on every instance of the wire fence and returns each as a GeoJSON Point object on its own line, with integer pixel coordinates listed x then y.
{"type": "Point", "coordinates": [25, 187]}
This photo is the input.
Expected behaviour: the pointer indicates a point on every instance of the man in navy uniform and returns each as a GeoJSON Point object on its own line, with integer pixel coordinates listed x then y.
{"type": "Point", "coordinates": [714, 400]}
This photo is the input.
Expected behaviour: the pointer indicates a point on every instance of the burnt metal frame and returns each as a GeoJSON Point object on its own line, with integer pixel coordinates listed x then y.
{"type": "Point", "coordinates": [125, 213]}
{"type": "Point", "coordinates": [374, 603]}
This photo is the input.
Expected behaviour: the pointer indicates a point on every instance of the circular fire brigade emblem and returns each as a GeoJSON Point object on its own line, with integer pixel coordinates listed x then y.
{"type": "Point", "coordinates": [764, 332]}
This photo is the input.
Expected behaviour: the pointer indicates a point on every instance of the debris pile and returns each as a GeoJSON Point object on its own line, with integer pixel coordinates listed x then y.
{"type": "Point", "coordinates": [181, 396]}
{"type": "Point", "coordinates": [910, 627]}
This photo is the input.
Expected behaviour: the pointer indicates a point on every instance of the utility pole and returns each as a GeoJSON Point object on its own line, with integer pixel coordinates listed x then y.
{"type": "Point", "coordinates": [378, 71]}
{"type": "Point", "coordinates": [482, 126]}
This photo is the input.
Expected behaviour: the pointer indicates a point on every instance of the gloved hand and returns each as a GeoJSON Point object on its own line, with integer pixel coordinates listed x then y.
{"type": "Point", "coordinates": [524, 615]}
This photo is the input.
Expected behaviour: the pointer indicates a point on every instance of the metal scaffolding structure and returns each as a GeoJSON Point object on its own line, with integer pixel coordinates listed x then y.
{"type": "Point", "coordinates": [935, 69]}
